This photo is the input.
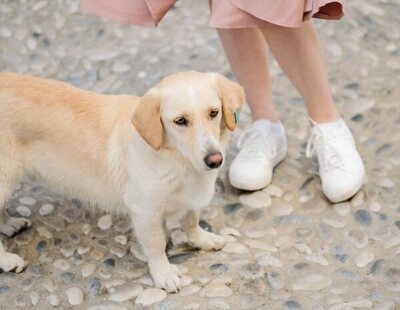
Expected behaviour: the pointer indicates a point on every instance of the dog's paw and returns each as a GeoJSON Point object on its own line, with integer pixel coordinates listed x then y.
{"type": "Point", "coordinates": [14, 225]}
{"type": "Point", "coordinates": [11, 262]}
{"type": "Point", "coordinates": [207, 241]}
{"type": "Point", "coordinates": [167, 278]}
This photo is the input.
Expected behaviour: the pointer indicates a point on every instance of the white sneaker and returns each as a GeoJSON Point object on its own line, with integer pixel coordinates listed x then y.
{"type": "Point", "coordinates": [341, 169]}
{"type": "Point", "coordinates": [262, 146]}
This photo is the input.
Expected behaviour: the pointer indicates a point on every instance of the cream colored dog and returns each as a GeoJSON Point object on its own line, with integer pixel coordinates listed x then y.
{"type": "Point", "coordinates": [151, 156]}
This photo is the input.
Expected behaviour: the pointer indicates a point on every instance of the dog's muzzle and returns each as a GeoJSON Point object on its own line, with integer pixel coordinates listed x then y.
{"type": "Point", "coordinates": [213, 160]}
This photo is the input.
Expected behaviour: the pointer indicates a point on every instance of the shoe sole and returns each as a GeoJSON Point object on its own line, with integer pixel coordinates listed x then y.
{"type": "Point", "coordinates": [255, 186]}
{"type": "Point", "coordinates": [350, 193]}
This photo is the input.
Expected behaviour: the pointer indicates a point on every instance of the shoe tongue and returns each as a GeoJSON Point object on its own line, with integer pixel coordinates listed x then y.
{"type": "Point", "coordinates": [262, 124]}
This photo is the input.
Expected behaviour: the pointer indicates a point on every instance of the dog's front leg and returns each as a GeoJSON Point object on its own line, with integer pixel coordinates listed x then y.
{"type": "Point", "coordinates": [197, 236]}
{"type": "Point", "coordinates": [150, 234]}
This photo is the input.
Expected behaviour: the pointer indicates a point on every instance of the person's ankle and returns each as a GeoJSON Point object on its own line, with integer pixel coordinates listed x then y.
{"type": "Point", "coordinates": [321, 119]}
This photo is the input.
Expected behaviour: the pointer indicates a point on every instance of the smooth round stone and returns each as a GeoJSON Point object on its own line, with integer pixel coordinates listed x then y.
{"type": "Point", "coordinates": [342, 209]}
{"type": "Point", "coordinates": [281, 209]}
{"type": "Point", "coordinates": [53, 300]}
{"type": "Point", "coordinates": [189, 290]}
{"type": "Point", "coordinates": [252, 287]}
{"type": "Point", "coordinates": [275, 280]}
{"type": "Point", "coordinates": [269, 260]}
{"type": "Point", "coordinates": [274, 191]}
{"type": "Point", "coordinates": [363, 217]}
{"type": "Point", "coordinates": [86, 229]}
{"type": "Point", "coordinates": [24, 211]}
{"type": "Point", "coordinates": [62, 264]}
{"type": "Point", "coordinates": [358, 238]}
{"type": "Point", "coordinates": [256, 200]}
{"type": "Point", "coordinates": [83, 249]}
{"type": "Point", "coordinates": [232, 208]}
{"type": "Point", "coordinates": [377, 266]}
{"type": "Point", "coordinates": [215, 303]}
{"type": "Point", "coordinates": [215, 290]}
{"type": "Point", "coordinates": [292, 305]}
{"type": "Point", "coordinates": [104, 222]}
{"type": "Point", "coordinates": [218, 268]}
{"type": "Point", "coordinates": [44, 232]}
{"type": "Point", "coordinates": [67, 251]}
{"type": "Point", "coordinates": [251, 271]}
{"type": "Point", "coordinates": [121, 239]}
{"type": "Point", "coordinates": [312, 282]}
{"type": "Point", "coordinates": [125, 293]}
{"type": "Point", "coordinates": [375, 206]}
{"type": "Point", "coordinates": [392, 242]}
{"type": "Point", "coordinates": [235, 247]}
{"type": "Point", "coordinates": [35, 298]}
{"type": "Point", "coordinates": [317, 258]}
{"type": "Point", "coordinates": [257, 244]}
{"type": "Point", "coordinates": [364, 258]}
{"type": "Point", "coordinates": [120, 67]}
{"type": "Point", "coordinates": [386, 183]}
{"type": "Point", "coordinates": [67, 277]}
{"type": "Point", "coordinates": [381, 233]}
{"type": "Point", "coordinates": [20, 301]}
{"type": "Point", "coordinates": [118, 251]}
{"type": "Point", "coordinates": [74, 295]}
{"type": "Point", "coordinates": [340, 254]}
{"type": "Point", "coordinates": [110, 262]}
{"type": "Point", "coordinates": [123, 226]}
{"type": "Point", "coordinates": [70, 215]}
{"type": "Point", "coordinates": [93, 285]}
{"type": "Point", "coordinates": [252, 302]}
{"type": "Point", "coordinates": [29, 201]}
{"type": "Point", "coordinates": [334, 222]}
{"type": "Point", "coordinates": [27, 283]}
{"type": "Point", "coordinates": [150, 296]}
{"type": "Point", "coordinates": [46, 209]}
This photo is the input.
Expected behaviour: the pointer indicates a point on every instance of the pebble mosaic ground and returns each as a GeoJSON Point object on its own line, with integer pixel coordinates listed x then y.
{"type": "Point", "coordinates": [290, 248]}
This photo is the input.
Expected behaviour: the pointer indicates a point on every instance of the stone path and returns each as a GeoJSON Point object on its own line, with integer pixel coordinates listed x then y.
{"type": "Point", "coordinates": [290, 248]}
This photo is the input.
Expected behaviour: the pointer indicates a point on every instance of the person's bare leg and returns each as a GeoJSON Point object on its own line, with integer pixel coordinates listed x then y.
{"type": "Point", "coordinates": [247, 51]}
{"type": "Point", "coordinates": [299, 54]}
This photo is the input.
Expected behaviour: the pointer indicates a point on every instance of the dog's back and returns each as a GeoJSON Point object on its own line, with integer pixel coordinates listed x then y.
{"type": "Point", "coordinates": [60, 132]}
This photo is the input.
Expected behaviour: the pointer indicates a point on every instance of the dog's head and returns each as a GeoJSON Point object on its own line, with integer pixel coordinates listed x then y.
{"type": "Point", "coordinates": [190, 112]}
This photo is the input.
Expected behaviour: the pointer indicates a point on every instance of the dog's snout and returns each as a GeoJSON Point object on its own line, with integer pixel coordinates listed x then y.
{"type": "Point", "coordinates": [213, 160]}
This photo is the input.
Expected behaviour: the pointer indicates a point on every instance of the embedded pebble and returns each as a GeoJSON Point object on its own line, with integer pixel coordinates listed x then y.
{"type": "Point", "coordinates": [53, 300]}
{"type": "Point", "coordinates": [87, 270]}
{"type": "Point", "coordinates": [24, 211]}
{"type": "Point", "coordinates": [29, 201]}
{"type": "Point", "coordinates": [275, 280]}
{"type": "Point", "coordinates": [364, 258]}
{"type": "Point", "coordinates": [256, 200]}
{"type": "Point", "coordinates": [215, 290]}
{"type": "Point", "coordinates": [75, 296]}
{"type": "Point", "coordinates": [62, 264]}
{"type": "Point", "coordinates": [235, 247]}
{"type": "Point", "coordinates": [125, 293]}
{"type": "Point", "coordinates": [150, 296]}
{"type": "Point", "coordinates": [105, 222]}
{"type": "Point", "coordinates": [46, 209]}
{"type": "Point", "coordinates": [312, 282]}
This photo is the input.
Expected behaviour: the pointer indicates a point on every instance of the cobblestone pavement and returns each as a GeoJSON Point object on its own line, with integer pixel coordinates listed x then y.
{"type": "Point", "coordinates": [290, 249]}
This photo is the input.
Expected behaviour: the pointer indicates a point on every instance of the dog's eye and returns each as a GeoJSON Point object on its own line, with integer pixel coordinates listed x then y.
{"type": "Point", "coordinates": [181, 121]}
{"type": "Point", "coordinates": [213, 113]}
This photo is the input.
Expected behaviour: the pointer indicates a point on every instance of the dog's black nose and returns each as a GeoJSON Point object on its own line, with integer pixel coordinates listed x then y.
{"type": "Point", "coordinates": [213, 160]}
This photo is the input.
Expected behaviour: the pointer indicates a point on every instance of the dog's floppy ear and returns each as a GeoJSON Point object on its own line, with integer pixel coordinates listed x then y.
{"type": "Point", "coordinates": [147, 119]}
{"type": "Point", "coordinates": [232, 98]}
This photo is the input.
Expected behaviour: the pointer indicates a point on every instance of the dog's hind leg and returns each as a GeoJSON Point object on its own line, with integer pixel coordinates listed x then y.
{"type": "Point", "coordinates": [10, 170]}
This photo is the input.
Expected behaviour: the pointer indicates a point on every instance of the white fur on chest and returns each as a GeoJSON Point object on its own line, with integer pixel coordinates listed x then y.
{"type": "Point", "coordinates": [165, 181]}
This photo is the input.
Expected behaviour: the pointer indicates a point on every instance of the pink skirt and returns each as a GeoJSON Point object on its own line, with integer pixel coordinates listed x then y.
{"type": "Point", "coordinates": [224, 13]}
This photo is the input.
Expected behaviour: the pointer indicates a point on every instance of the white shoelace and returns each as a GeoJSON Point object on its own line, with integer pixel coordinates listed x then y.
{"type": "Point", "coordinates": [327, 149]}
{"type": "Point", "coordinates": [258, 143]}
